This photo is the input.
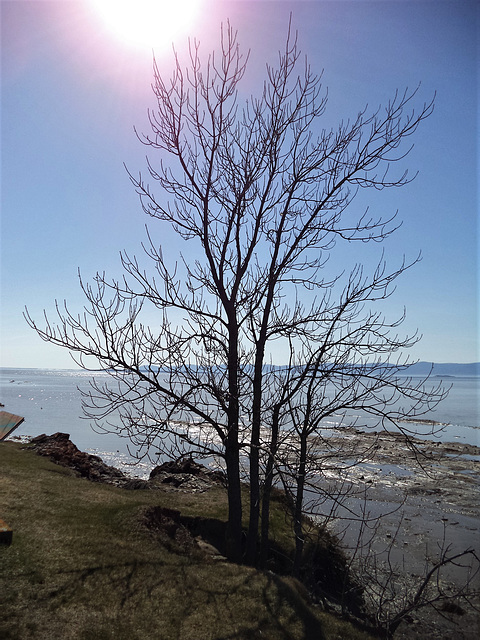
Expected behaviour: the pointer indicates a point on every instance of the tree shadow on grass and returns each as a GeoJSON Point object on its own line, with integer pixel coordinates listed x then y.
{"type": "Point", "coordinates": [184, 599]}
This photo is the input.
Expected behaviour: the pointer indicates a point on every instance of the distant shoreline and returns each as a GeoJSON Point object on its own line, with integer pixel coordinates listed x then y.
{"type": "Point", "coordinates": [421, 368]}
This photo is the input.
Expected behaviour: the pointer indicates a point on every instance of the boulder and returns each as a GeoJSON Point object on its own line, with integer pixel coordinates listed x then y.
{"type": "Point", "coordinates": [186, 473]}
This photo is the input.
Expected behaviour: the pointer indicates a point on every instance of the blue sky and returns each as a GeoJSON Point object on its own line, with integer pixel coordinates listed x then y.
{"type": "Point", "coordinates": [72, 92]}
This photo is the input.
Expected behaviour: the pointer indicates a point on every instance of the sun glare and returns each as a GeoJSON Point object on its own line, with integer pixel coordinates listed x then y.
{"type": "Point", "coordinates": [148, 23]}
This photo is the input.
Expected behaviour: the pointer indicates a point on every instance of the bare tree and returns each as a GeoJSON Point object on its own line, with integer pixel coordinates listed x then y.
{"type": "Point", "coordinates": [262, 200]}
{"type": "Point", "coordinates": [336, 381]}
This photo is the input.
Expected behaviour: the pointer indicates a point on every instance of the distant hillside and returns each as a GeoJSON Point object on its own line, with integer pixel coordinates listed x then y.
{"type": "Point", "coordinates": [445, 369]}
{"type": "Point", "coordinates": [418, 369]}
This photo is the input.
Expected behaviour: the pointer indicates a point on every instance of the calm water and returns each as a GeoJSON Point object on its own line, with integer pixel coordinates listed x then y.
{"type": "Point", "coordinates": [50, 401]}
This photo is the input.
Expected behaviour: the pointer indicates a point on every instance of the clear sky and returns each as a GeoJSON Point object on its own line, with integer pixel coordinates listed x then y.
{"type": "Point", "coordinates": [73, 89]}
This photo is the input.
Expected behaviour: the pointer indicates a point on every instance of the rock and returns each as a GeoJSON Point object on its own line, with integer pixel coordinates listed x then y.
{"type": "Point", "coordinates": [186, 465]}
{"type": "Point", "coordinates": [181, 465]}
{"type": "Point", "coordinates": [59, 448]}
{"type": "Point", "coordinates": [137, 484]}
{"type": "Point", "coordinates": [185, 474]}
{"type": "Point", "coordinates": [173, 480]}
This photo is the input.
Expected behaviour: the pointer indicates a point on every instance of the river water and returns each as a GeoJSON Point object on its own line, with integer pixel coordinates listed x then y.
{"type": "Point", "coordinates": [50, 401]}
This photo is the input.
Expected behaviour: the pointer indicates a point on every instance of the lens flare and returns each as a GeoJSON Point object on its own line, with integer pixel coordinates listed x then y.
{"type": "Point", "coordinates": [147, 23]}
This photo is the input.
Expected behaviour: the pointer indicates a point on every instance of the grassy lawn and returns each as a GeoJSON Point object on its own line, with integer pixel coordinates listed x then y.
{"type": "Point", "coordinates": [83, 566]}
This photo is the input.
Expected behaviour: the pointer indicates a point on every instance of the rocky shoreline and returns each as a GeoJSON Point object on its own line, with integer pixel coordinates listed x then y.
{"type": "Point", "coordinates": [184, 474]}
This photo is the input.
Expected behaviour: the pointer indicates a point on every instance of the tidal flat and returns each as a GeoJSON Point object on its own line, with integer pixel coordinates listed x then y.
{"type": "Point", "coordinates": [428, 493]}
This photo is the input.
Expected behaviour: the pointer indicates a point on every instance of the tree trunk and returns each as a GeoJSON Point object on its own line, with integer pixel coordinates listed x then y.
{"type": "Point", "coordinates": [232, 451]}
{"type": "Point", "coordinates": [298, 508]}
{"type": "Point", "coordinates": [252, 539]}
{"type": "Point", "coordinates": [267, 490]}
{"type": "Point", "coordinates": [234, 525]}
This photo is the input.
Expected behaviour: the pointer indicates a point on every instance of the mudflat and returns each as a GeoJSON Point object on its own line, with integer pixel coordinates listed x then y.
{"type": "Point", "coordinates": [429, 492]}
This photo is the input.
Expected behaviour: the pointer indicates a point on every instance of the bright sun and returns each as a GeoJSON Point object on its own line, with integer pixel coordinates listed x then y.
{"type": "Point", "coordinates": [147, 23]}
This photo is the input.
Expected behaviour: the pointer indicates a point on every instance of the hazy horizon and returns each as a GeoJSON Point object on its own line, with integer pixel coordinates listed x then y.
{"type": "Point", "coordinates": [419, 362]}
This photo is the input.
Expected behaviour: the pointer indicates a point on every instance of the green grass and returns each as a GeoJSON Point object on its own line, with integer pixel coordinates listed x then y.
{"type": "Point", "coordinates": [82, 566]}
